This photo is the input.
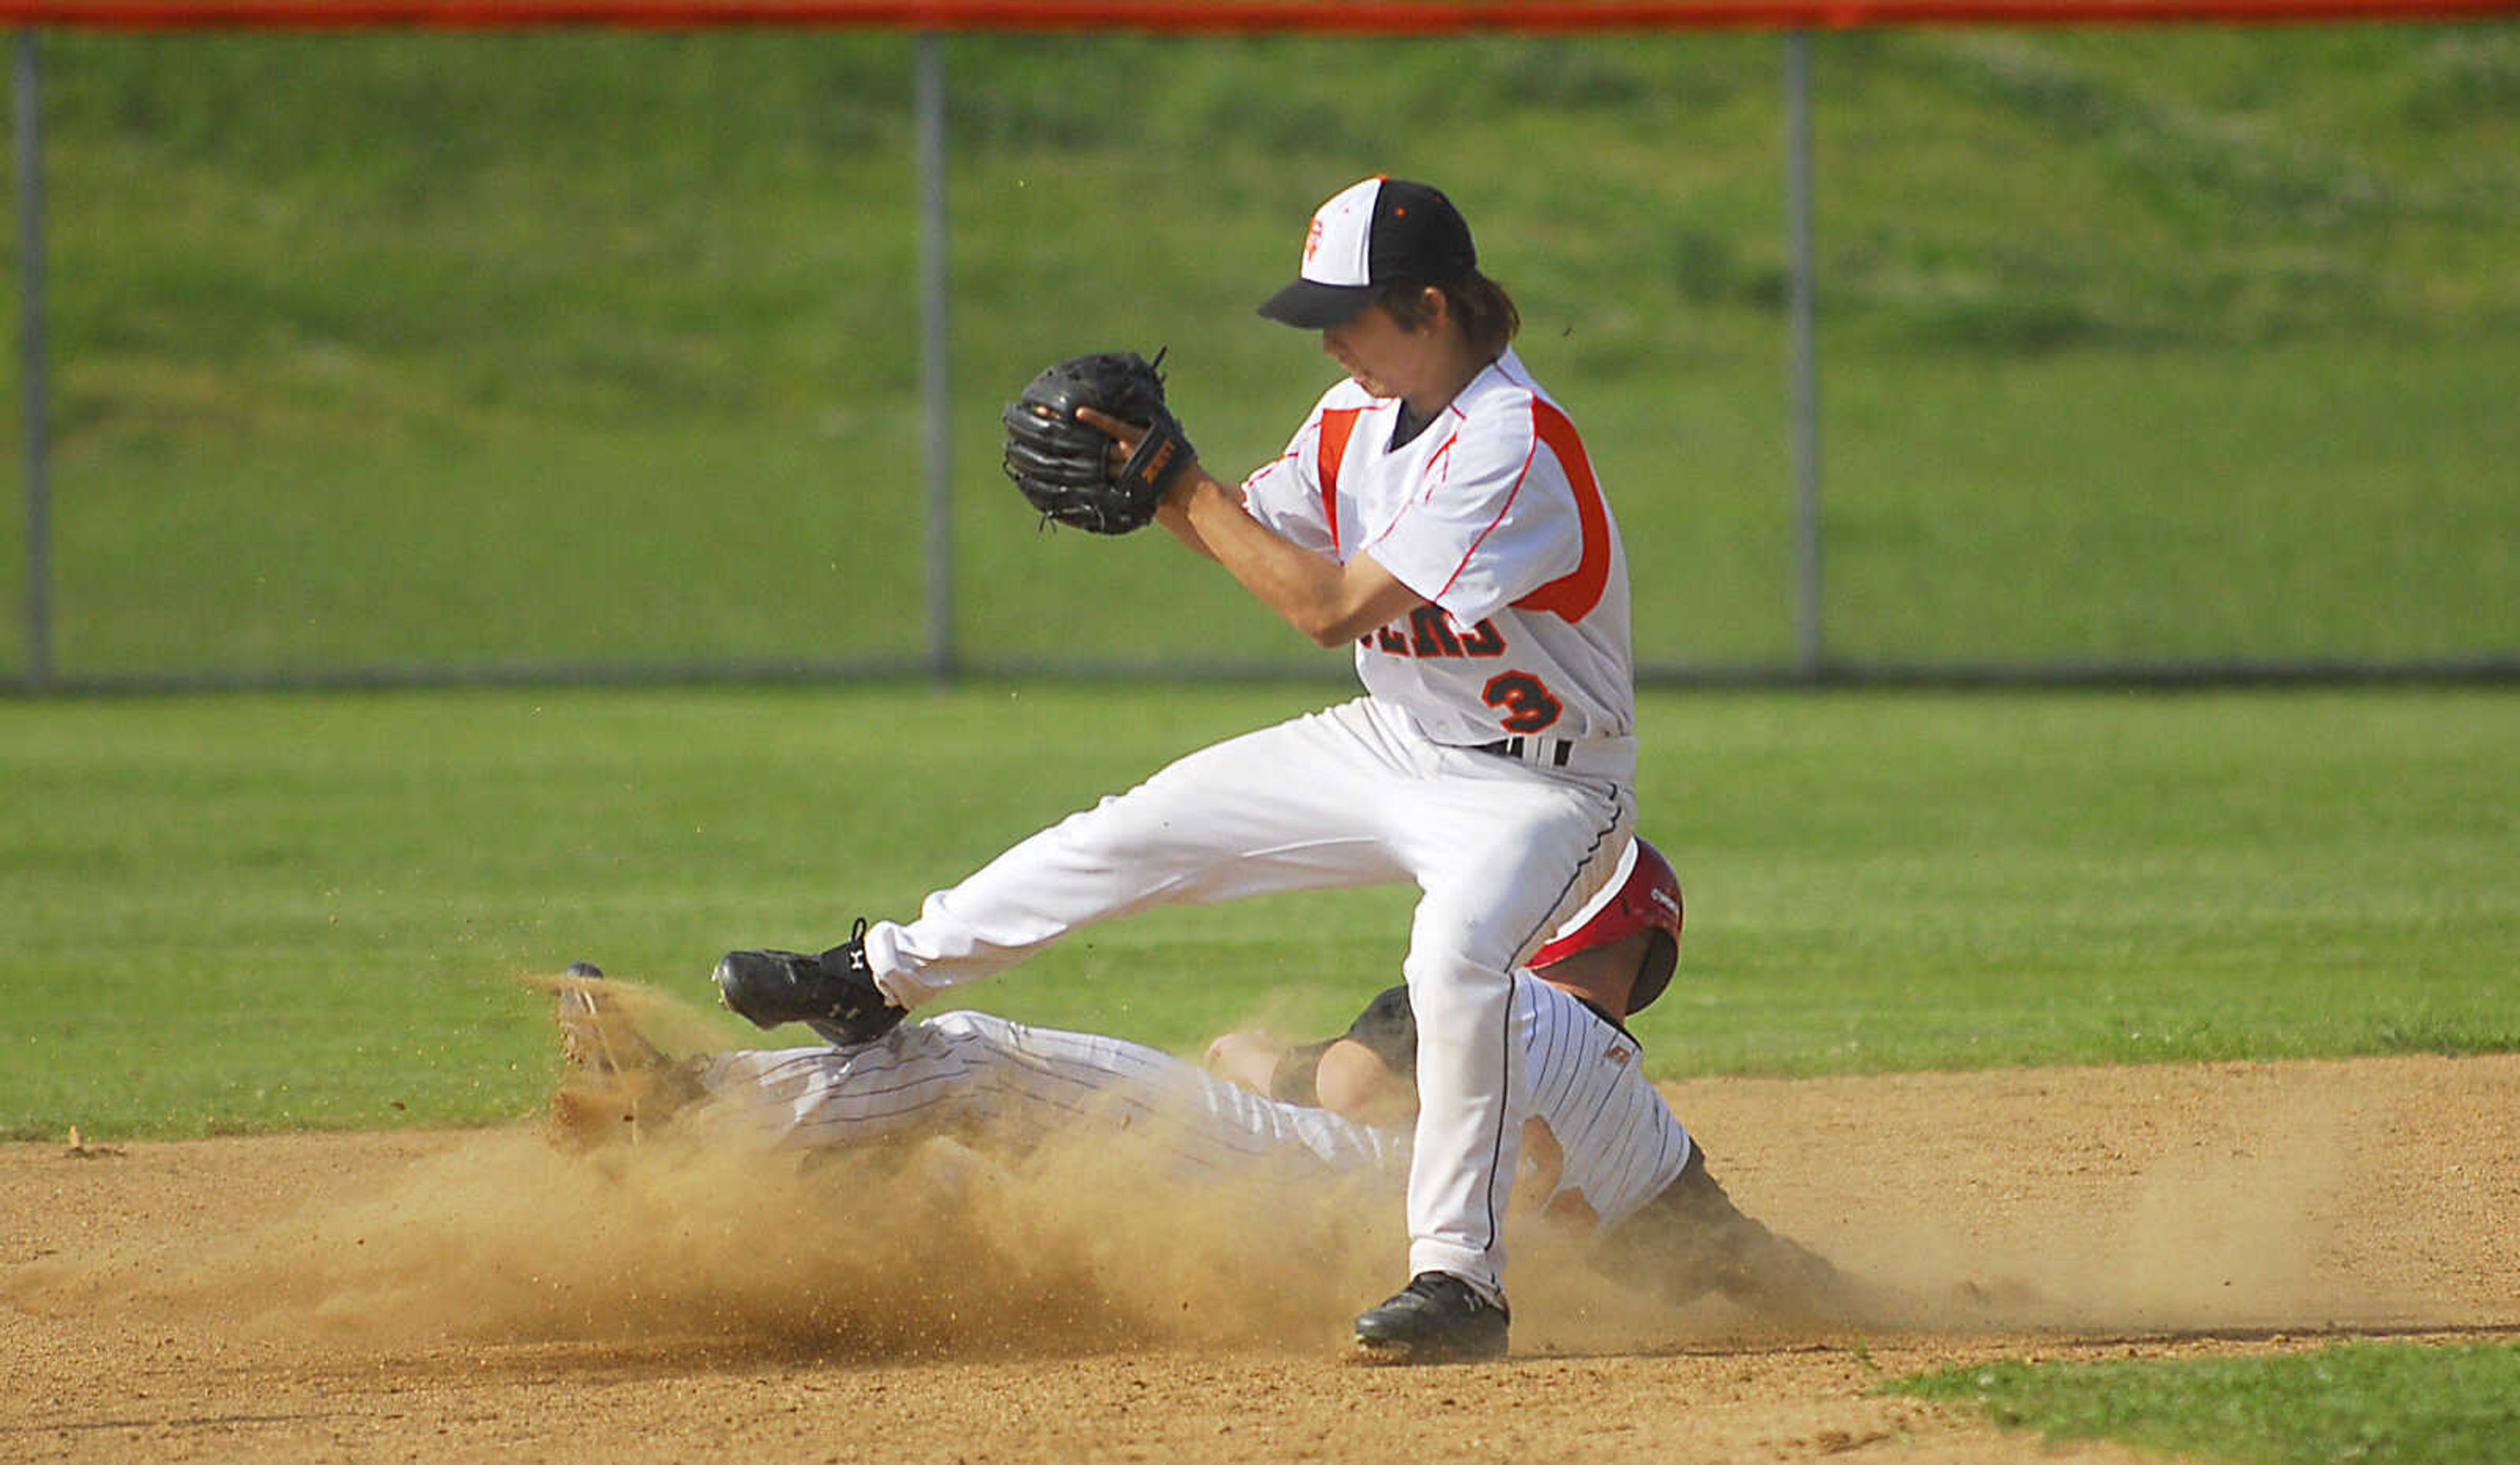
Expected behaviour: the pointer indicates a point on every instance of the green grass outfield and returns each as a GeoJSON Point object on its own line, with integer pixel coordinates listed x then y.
{"type": "Point", "coordinates": [228, 913]}
{"type": "Point", "coordinates": [2359, 1401]}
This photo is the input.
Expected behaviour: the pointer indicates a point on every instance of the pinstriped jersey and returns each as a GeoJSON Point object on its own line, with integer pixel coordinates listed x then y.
{"type": "Point", "coordinates": [1574, 1071]}
{"type": "Point", "coordinates": [1493, 515]}
{"type": "Point", "coordinates": [1021, 1084]}
{"type": "Point", "coordinates": [1585, 1078]}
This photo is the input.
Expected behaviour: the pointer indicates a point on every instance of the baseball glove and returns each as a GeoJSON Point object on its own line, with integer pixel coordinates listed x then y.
{"type": "Point", "coordinates": [1063, 466]}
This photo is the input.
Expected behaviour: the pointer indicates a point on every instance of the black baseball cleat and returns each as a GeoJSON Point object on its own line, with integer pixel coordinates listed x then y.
{"type": "Point", "coordinates": [835, 991]}
{"type": "Point", "coordinates": [1437, 1318]}
{"type": "Point", "coordinates": [1691, 1240]}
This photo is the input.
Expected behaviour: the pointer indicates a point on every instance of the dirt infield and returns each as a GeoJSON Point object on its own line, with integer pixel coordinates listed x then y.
{"type": "Point", "coordinates": [487, 1295]}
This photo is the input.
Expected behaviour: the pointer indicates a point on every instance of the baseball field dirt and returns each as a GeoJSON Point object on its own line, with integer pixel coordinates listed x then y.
{"type": "Point", "coordinates": [480, 1296]}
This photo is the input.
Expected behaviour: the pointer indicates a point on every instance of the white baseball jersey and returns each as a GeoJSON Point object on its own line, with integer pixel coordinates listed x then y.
{"type": "Point", "coordinates": [1583, 1077]}
{"type": "Point", "coordinates": [1493, 515]}
{"type": "Point", "coordinates": [1014, 1085]}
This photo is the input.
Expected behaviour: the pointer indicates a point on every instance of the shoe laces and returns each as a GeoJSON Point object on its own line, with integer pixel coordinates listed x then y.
{"type": "Point", "coordinates": [850, 956]}
{"type": "Point", "coordinates": [1437, 1287]}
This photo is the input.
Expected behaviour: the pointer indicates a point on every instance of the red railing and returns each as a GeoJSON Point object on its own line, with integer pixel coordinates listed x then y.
{"type": "Point", "coordinates": [1216, 17]}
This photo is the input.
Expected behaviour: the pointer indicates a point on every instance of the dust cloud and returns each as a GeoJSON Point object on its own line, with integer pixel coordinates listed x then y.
{"type": "Point", "coordinates": [938, 1248]}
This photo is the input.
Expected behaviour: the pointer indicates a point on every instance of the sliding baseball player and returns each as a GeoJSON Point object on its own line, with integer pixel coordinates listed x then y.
{"type": "Point", "coordinates": [1602, 1150]}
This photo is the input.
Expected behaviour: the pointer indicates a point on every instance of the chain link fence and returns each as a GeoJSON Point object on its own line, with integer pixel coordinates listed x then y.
{"type": "Point", "coordinates": [399, 357]}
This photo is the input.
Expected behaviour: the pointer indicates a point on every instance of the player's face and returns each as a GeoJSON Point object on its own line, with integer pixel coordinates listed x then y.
{"type": "Point", "coordinates": [1605, 974]}
{"type": "Point", "coordinates": [1386, 358]}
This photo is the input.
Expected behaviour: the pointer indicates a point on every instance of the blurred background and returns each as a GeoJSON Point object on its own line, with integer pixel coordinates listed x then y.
{"type": "Point", "coordinates": [583, 355]}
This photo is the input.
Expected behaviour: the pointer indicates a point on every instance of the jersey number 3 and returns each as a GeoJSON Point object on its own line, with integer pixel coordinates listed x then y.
{"type": "Point", "coordinates": [1529, 706]}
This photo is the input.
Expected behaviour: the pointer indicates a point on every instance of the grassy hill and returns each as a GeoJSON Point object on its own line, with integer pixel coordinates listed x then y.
{"type": "Point", "coordinates": [602, 350]}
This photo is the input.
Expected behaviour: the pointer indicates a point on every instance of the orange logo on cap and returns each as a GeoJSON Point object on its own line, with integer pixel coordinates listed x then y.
{"type": "Point", "coordinates": [1313, 240]}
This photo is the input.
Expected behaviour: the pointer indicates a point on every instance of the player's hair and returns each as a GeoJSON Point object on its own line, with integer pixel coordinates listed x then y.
{"type": "Point", "coordinates": [1488, 317]}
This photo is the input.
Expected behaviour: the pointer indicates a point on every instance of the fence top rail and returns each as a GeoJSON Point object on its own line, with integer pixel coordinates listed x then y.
{"type": "Point", "coordinates": [1217, 17]}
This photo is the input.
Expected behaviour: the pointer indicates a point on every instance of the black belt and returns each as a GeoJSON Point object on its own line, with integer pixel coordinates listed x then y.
{"type": "Point", "coordinates": [1553, 750]}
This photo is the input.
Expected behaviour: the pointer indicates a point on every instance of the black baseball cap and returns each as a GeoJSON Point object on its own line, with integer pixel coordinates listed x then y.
{"type": "Point", "coordinates": [1368, 235]}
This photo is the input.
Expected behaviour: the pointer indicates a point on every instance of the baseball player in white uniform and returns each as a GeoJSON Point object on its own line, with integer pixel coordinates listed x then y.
{"type": "Point", "coordinates": [1437, 510]}
{"type": "Point", "coordinates": [1601, 1145]}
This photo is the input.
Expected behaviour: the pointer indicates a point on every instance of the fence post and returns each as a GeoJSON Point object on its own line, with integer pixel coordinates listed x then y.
{"type": "Point", "coordinates": [1802, 391]}
{"type": "Point", "coordinates": [32, 386]}
{"type": "Point", "coordinates": [937, 313]}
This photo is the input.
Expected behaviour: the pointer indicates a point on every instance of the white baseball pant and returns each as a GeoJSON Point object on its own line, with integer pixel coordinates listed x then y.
{"type": "Point", "coordinates": [1501, 851]}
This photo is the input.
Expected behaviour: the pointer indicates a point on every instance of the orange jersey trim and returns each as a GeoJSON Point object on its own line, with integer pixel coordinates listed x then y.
{"type": "Point", "coordinates": [1337, 426]}
{"type": "Point", "coordinates": [1573, 595]}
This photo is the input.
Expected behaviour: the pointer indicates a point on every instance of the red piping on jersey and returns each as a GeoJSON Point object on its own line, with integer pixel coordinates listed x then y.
{"type": "Point", "coordinates": [1573, 595]}
{"type": "Point", "coordinates": [1439, 462]}
{"type": "Point", "coordinates": [1520, 479]}
{"type": "Point", "coordinates": [1337, 424]}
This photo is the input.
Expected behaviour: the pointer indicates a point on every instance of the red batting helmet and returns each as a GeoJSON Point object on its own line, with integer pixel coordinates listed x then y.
{"type": "Point", "coordinates": [1640, 895]}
